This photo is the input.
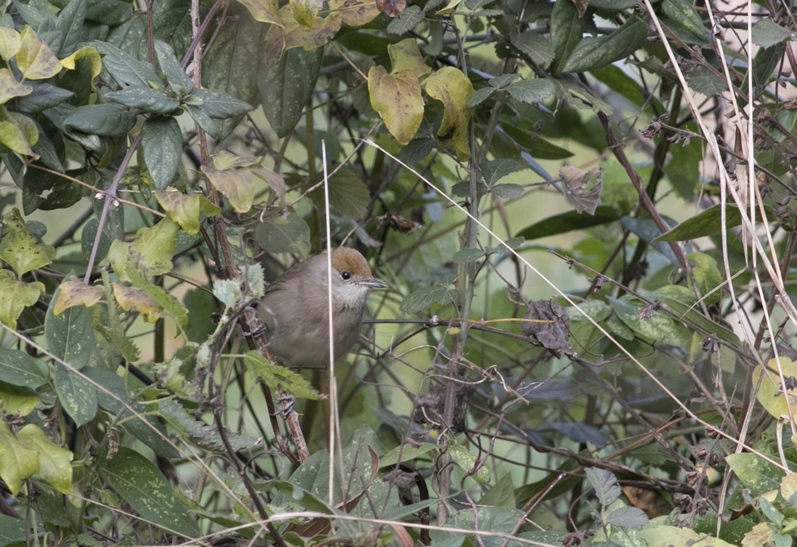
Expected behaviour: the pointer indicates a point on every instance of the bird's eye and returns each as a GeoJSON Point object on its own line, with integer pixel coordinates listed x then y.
{"type": "Point", "coordinates": [345, 276]}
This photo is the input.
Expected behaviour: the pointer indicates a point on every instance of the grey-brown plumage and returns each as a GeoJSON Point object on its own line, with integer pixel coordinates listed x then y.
{"type": "Point", "coordinates": [294, 308]}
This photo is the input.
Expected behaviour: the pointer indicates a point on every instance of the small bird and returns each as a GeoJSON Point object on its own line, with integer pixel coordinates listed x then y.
{"type": "Point", "coordinates": [294, 308]}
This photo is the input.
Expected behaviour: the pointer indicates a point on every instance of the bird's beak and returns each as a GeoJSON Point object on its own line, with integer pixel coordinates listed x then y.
{"type": "Point", "coordinates": [374, 284]}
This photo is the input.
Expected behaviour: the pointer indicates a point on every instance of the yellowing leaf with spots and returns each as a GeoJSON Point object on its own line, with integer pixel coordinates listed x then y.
{"type": "Point", "coordinates": [130, 297]}
{"type": "Point", "coordinates": [184, 209]}
{"type": "Point", "coordinates": [449, 86]}
{"type": "Point", "coordinates": [239, 186]}
{"type": "Point", "coordinates": [405, 55]}
{"type": "Point", "coordinates": [305, 11]}
{"type": "Point", "coordinates": [769, 393]}
{"type": "Point", "coordinates": [355, 13]}
{"type": "Point", "coordinates": [150, 253]}
{"type": "Point", "coordinates": [398, 100]}
{"type": "Point", "coordinates": [34, 58]}
{"type": "Point", "coordinates": [10, 87]}
{"type": "Point", "coordinates": [75, 293]}
{"type": "Point", "coordinates": [10, 42]}
{"type": "Point", "coordinates": [15, 296]}
{"type": "Point", "coordinates": [264, 11]}
{"type": "Point", "coordinates": [16, 461]}
{"type": "Point", "coordinates": [20, 249]}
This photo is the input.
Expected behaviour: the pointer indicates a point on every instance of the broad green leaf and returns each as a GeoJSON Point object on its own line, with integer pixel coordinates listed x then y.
{"type": "Point", "coordinates": [142, 486]}
{"type": "Point", "coordinates": [706, 81]}
{"type": "Point", "coordinates": [20, 369]}
{"type": "Point", "coordinates": [34, 58]}
{"type": "Point", "coordinates": [405, 55]}
{"type": "Point", "coordinates": [689, 313]}
{"type": "Point", "coordinates": [185, 209]}
{"type": "Point", "coordinates": [463, 256]}
{"type": "Point", "coordinates": [151, 252]}
{"type": "Point", "coordinates": [16, 461]}
{"type": "Point", "coordinates": [707, 275]}
{"type": "Point", "coordinates": [265, 11]}
{"type": "Point", "coordinates": [47, 191]}
{"type": "Point", "coordinates": [19, 249]}
{"type": "Point", "coordinates": [156, 101]}
{"type": "Point", "coordinates": [348, 195]}
{"type": "Point", "coordinates": [76, 395]}
{"type": "Point", "coordinates": [239, 186]}
{"type": "Point", "coordinates": [655, 327]}
{"type": "Point", "coordinates": [684, 15]}
{"type": "Point", "coordinates": [407, 21]}
{"type": "Point", "coordinates": [468, 462]}
{"type": "Point", "coordinates": [707, 223]}
{"type": "Point", "coordinates": [423, 297]}
{"type": "Point", "coordinates": [501, 494]}
{"type": "Point", "coordinates": [54, 461]}
{"type": "Point", "coordinates": [537, 47]}
{"type": "Point", "coordinates": [15, 296]}
{"type": "Point", "coordinates": [567, 222]}
{"type": "Point", "coordinates": [592, 53]}
{"type": "Point", "coordinates": [170, 66]}
{"type": "Point", "coordinates": [10, 87]}
{"type": "Point", "coordinates": [767, 33]}
{"type": "Point", "coordinates": [355, 13]}
{"type": "Point", "coordinates": [44, 96]}
{"type": "Point", "coordinates": [627, 517]}
{"type": "Point", "coordinates": [280, 378]}
{"type": "Point", "coordinates": [145, 429]}
{"type": "Point", "coordinates": [126, 69]}
{"type": "Point", "coordinates": [531, 91]}
{"type": "Point", "coordinates": [567, 29]}
{"type": "Point", "coordinates": [757, 475]}
{"type": "Point", "coordinates": [770, 393]}
{"type": "Point", "coordinates": [70, 334]}
{"type": "Point", "coordinates": [76, 293]}
{"type": "Point", "coordinates": [288, 234]}
{"type": "Point", "coordinates": [162, 147]}
{"type": "Point", "coordinates": [406, 453]}
{"type": "Point", "coordinates": [450, 86]}
{"type": "Point", "coordinates": [70, 28]}
{"type": "Point", "coordinates": [495, 170]}
{"type": "Point", "coordinates": [605, 484]}
{"type": "Point", "coordinates": [286, 85]}
{"type": "Point", "coordinates": [106, 119]}
{"type": "Point", "coordinates": [10, 42]}
{"type": "Point", "coordinates": [130, 298]}
{"type": "Point", "coordinates": [480, 95]}
{"type": "Point", "coordinates": [683, 167]}
{"type": "Point", "coordinates": [218, 104]}
{"type": "Point", "coordinates": [70, 63]}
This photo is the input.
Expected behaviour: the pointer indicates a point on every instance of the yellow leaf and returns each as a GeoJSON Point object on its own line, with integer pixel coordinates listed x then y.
{"type": "Point", "coordinates": [130, 297]}
{"type": "Point", "coordinates": [20, 249]}
{"type": "Point", "coordinates": [10, 87]}
{"type": "Point", "coordinates": [34, 58]}
{"type": "Point", "coordinates": [264, 11]}
{"type": "Point", "coordinates": [150, 253]}
{"type": "Point", "coordinates": [75, 293]}
{"type": "Point", "coordinates": [405, 55]}
{"type": "Point", "coordinates": [398, 100]}
{"type": "Point", "coordinates": [16, 462]}
{"type": "Point", "coordinates": [451, 87]}
{"type": "Point", "coordinates": [184, 209]}
{"type": "Point", "coordinates": [14, 137]}
{"type": "Point", "coordinates": [10, 42]}
{"type": "Point", "coordinates": [15, 296]}
{"type": "Point", "coordinates": [318, 34]}
{"type": "Point", "coordinates": [239, 186]}
{"type": "Point", "coordinates": [355, 13]}
{"type": "Point", "coordinates": [305, 11]}
{"type": "Point", "coordinates": [769, 392]}
{"type": "Point", "coordinates": [54, 461]}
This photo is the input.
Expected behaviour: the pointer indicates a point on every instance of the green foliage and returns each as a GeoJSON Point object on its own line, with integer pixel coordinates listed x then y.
{"type": "Point", "coordinates": [590, 318]}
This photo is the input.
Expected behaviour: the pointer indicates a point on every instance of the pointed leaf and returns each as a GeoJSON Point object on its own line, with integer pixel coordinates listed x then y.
{"type": "Point", "coordinates": [156, 101]}
{"type": "Point", "coordinates": [531, 91]}
{"type": "Point", "coordinates": [70, 335]}
{"type": "Point", "coordinates": [20, 369]}
{"type": "Point", "coordinates": [76, 395]}
{"type": "Point", "coordinates": [106, 120]}
{"type": "Point", "coordinates": [592, 53]}
{"type": "Point", "coordinates": [162, 147]}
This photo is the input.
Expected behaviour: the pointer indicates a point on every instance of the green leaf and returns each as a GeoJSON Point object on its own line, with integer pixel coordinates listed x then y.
{"type": "Point", "coordinates": [627, 517]}
{"type": "Point", "coordinates": [175, 74]}
{"type": "Point", "coordinates": [463, 256]}
{"type": "Point", "coordinates": [683, 14]}
{"type": "Point", "coordinates": [348, 195]}
{"type": "Point", "coordinates": [605, 484]}
{"type": "Point", "coordinates": [697, 319]}
{"type": "Point", "coordinates": [654, 327]}
{"type": "Point", "coordinates": [289, 234]}
{"type": "Point", "coordinates": [704, 80]}
{"type": "Point", "coordinates": [480, 95]}
{"type": "Point", "coordinates": [707, 276]}
{"type": "Point", "coordinates": [70, 335]}
{"type": "Point", "coordinates": [280, 378]}
{"type": "Point", "coordinates": [767, 33]}
{"type": "Point", "coordinates": [218, 104]}
{"type": "Point", "coordinates": [286, 86]}
{"type": "Point", "coordinates": [502, 494]}
{"type": "Point", "coordinates": [665, 536]}
{"type": "Point", "coordinates": [592, 53]}
{"type": "Point", "coordinates": [16, 461]}
{"type": "Point", "coordinates": [20, 369]}
{"type": "Point", "coordinates": [406, 21]}
{"type": "Point", "coordinates": [756, 474]}
{"type": "Point", "coordinates": [70, 27]}
{"type": "Point", "coordinates": [44, 96]}
{"type": "Point", "coordinates": [126, 69]}
{"type": "Point", "coordinates": [162, 146]}
{"type": "Point", "coordinates": [567, 222]}
{"type": "Point", "coordinates": [567, 29]}
{"type": "Point", "coordinates": [536, 46]}
{"type": "Point", "coordinates": [142, 486]}
{"type": "Point", "coordinates": [495, 170]}
{"type": "Point", "coordinates": [19, 249]}
{"type": "Point", "coordinates": [707, 223]}
{"type": "Point", "coordinates": [54, 461]}
{"type": "Point", "coordinates": [76, 395]}
{"type": "Point", "coordinates": [156, 101]}
{"type": "Point", "coordinates": [531, 91]}
{"type": "Point", "coordinates": [106, 120]}
{"type": "Point", "coordinates": [423, 297]}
